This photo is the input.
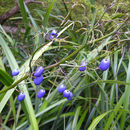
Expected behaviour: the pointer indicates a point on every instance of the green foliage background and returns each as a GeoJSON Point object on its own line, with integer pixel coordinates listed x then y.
{"type": "Point", "coordinates": [85, 33]}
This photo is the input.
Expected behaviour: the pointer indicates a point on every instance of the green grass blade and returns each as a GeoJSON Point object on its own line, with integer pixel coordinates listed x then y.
{"type": "Point", "coordinates": [92, 23]}
{"type": "Point", "coordinates": [113, 82]}
{"type": "Point", "coordinates": [126, 97]}
{"type": "Point", "coordinates": [92, 112]}
{"type": "Point", "coordinates": [11, 59]}
{"type": "Point", "coordinates": [76, 116]}
{"type": "Point", "coordinates": [50, 107]}
{"type": "Point", "coordinates": [61, 116]}
{"type": "Point", "coordinates": [31, 18]}
{"type": "Point", "coordinates": [44, 110]}
{"type": "Point", "coordinates": [46, 18]}
{"type": "Point", "coordinates": [8, 37]}
{"type": "Point", "coordinates": [5, 78]}
{"type": "Point", "coordinates": [97, 120]}
{"type": "Point", "coordinates": [114, 86]}
{"type": "Point", "coordinates": [81, 119]}
{"type": "Point", "coordinates": [5, 127]}
{"type": "Point", "coordinates": [116, 120]}
{"type": "Point", "coordinates": [5, 99]}
{"type": "Point", "coordinates": [2, 67]}
{"type": "Point", "coordinates": [93, 4]}
{"type": "Point", "coordinates": [13, 65]}
{"type": "Point", "coordinates": [23, 13]}
{"type": "Point", "coordinates": [23, 88]}
{"type": "Point", "coordinates": [12, 104]}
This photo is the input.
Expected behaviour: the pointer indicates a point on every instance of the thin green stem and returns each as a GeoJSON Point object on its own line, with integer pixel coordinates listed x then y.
{"type": "Point", "coordinates": [15, 84]}
{"type": "Point", "coordinates": [71, 55]}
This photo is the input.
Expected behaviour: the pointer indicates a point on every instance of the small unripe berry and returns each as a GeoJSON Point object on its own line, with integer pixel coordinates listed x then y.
{"type": "Point", "coordinates": [38, 80]}
{"type": "Point", "coordinates": [21, 96]}
{"type": "Point", "coordinates": [15, 72]}
{"type": "Point", "coordinates": [66, 93]}
{"type": "Point", "coordinates": [39, 71]}
{"type": "Point", "coordinates": [104, 64]}
{"type": "Point", "coordinates": [61, 88]}
{"type": "Point", "coordinates": [83, 66]}
{"type": "Point", "coordinates": [41, 93]}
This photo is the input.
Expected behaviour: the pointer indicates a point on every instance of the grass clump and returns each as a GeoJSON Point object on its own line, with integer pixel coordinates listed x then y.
{"type": "Point", "coordinates": [84, 34]}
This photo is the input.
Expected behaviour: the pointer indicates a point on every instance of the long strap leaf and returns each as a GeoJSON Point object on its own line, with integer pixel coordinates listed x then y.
{"type": "Point", "coordinates": [13, 64]}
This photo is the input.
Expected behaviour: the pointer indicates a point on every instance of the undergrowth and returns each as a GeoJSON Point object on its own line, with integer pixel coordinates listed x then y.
{"type": "Point", "coordinates": [85, 33]}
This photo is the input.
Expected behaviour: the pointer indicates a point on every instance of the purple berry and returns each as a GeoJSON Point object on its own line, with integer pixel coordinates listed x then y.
{"type": "Point", "coordinates": [70, 97]}
{"type": "Point", "coordinates": [38, 80]}
{"type": "Point", "coordinates": [21, 96]}
{"type": "Point", "coordinates": [83, 66]}
{"type": "Point", "coordinates": [15, 72]}
{"type": "Point", "coordinates": [39, 71]}
{"type": "Point", "coordinates": [66, 93]}
{"type": "Point", "coordinates": [51, 37]}
{"type": "Point", "coordinates": [53, 32]}
{"type": "Point", "coordinates": [104, 64]}
{"type": "Point", "coordinates": [61, 88]}
{"type": "Point", "coordinates": [41, 93]}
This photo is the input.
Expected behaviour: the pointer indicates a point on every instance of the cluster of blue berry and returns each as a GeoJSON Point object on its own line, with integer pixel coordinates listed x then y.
{"type": "Point", "coordinates": [37, 80]}
{"type": "Point", "coordinates": [38, 75]}
{"type": "Point", "coordinates": [104, 65]}
{"type": "Point", "coordinates": [66, 93]}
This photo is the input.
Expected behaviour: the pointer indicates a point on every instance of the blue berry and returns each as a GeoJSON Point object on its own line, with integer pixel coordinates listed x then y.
{"type": "Point", "coordinates": [21, 96]}
{"type": "Point", "coordinates": [104, 64]}
{"type": "Point", "coordinates": [83, 66]}
{"type": "Point", "coordinates": [38, 80]}
{"type": "Point", "coordinates": [70, 97]}
{"type": "Point", "coordinates": [39, 71]}
{"type": "Point", "coordinates": [51, 37]}
{"type": "Point", "coordinates": [66, 93]}
{"type": "Point", "coordinates": [53, 32]}
{"type": "Point", "coordinates": [41, 93]}
{"type": "Point", "coordinates": [61, 88]}
{"type": "Point", "coordinates": [15, 72]}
